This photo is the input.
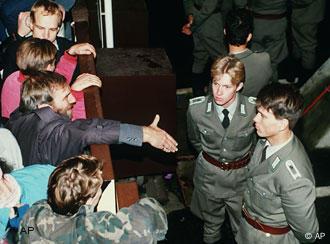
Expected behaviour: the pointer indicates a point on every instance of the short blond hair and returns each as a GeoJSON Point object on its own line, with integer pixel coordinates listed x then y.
{"type": "Point", "coordinates": [45, 8]}
{"type": "Point", "coordinates": [73, 182]}
{"type": "Point", "coordinates": [231, 66]}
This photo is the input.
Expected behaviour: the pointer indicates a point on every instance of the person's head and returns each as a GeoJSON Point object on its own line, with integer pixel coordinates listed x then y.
{"type": "Point", "coordinates": [44, 89]}
{"type": "Point", "coordinates": [75, 182]}
{"type": "Point", "coordinates": [278, 109]}
{"type": "Point", "coordinates": [46, 19]}
{"type": "Point", "coordinates": [35, 54]}
{"type": "Point", "coordinates": [9, 189]}
{"type": "Point", "coordinates": [228, 75]}
{"type": "Point", "coordinates": [239, 27]}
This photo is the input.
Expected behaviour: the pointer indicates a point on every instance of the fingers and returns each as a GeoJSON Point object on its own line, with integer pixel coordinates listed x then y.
{"type": "Point", "coordinates": [81, 49]}
{"type": "Point", "coordinates": [169, 144]}
{"type": "Point", "coordinates": [86, 80]}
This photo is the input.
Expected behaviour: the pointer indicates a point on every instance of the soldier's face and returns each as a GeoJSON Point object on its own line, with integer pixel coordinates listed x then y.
{"type": "Point", "coordinates": [267, 125]}
{"type": "Point", "coordinates": [224, 91]}
{"type": "Point", "coordinates": [63, 101]}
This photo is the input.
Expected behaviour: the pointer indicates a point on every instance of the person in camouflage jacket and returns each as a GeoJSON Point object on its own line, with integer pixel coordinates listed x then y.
{"type": "Point", "coordinates": [68, 216]}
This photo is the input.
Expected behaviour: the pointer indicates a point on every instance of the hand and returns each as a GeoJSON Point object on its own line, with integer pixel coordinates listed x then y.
{"type": "Point", "coordinates": [186, 30]}
{"type": "Point", "coordinates": [82, 48]}
{"type": "Point", "coordinates": [86, 80]}
{"type": "Point", "coordinates": [24, 23]}
{"type": "Point", "coordinates": [159, 138]}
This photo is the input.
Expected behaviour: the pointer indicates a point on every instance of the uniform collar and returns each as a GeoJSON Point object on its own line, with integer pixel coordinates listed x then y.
{"type": "Point", "coordinates": [231, 109]}
{"type": "Point", "coordinates": [247, 52]}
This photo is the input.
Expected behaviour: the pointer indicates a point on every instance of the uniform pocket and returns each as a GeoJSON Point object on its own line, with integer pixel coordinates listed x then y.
{"type": "Point", "coordinates": [208, 136]}
{"type": "Point", "coordinates": [244, 138]}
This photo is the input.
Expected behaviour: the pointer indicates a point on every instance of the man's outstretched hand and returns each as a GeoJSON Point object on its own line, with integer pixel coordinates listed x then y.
{"type": "Point", "coordinates": [159, 138]}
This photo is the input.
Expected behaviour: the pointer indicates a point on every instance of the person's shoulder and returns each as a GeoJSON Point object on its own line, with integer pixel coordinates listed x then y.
{"type": "Point", "coordinates": [197, 104]}
{"type": "Point", "coordinates": [262, 56]}
{"type": "Point", "coordinates": [197, 101]}
{"type": "Point", "coordinates": [295, 167]}
{"type": "Point", "coordinates": [250, 101]}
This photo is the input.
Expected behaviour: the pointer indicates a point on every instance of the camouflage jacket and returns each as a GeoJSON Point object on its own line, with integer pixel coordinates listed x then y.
{"type": "Point", "coordinates": [143, 222]}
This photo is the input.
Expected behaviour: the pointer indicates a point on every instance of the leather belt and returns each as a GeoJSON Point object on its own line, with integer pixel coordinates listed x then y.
{"type": "Point", "coordinates": [228, 165]}
{"type": "Point", "coordinates": [264, 228]}
{"type": "Point", "coordinates": [269, 16]}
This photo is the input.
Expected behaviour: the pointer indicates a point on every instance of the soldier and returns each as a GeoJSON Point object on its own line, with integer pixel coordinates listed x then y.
{"type": "Point", "coordinates": [305, 17]}
{"type": "Point", "coordinates": [68, 216]}
{"type": "Point", "coordinates": [238, 32]}
{"type": "Point", "coordinates": [220, 127]}
{"type": "Point", "coordinates": [269, 32]}
{"type": "Point", "coordinates": [204, 22]}
{"type": "Point", "coordinates": [279, 199]}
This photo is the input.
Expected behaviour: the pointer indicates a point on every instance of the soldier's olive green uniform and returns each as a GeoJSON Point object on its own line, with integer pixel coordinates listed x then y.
{"type": "Point", "coordinates": [280, 192]}
{"type": "Point", "coordinates": [305, 17]}
{"type": "Point", "coordinates": [258, 71]}
{"type": "Point", "coordinates": [142, 222]}
{"type": "Point", "coordinates": [269, 34]}
{"type": "Point", "coordinates": [207, 29]}
{"type": "Point", "coordinates": [215, 189]}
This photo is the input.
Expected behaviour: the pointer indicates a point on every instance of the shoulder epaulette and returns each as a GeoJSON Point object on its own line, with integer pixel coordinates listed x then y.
{"type": "Point", "coordinates": [196, 100]}
{"type": "Point", "coordinates": [252, 100]}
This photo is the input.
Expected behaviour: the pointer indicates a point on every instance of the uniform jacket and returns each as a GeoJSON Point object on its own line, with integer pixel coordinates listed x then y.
{"type": "Point", "coordinates": [9, 55]}
{"type": "Point", "coordinates": [264, 7]}
{"type": "Point", "coordinates": [206, 133]}
{"type": "Point", "coordinates": [258, 71]}
{"type": "Point", "coordinates": [33, 181]}
{"type": "Point", "coordinates": [143, 222]}
{"type": "Point", "coordinates": [308, 11]}
{"type": "Point", "coordinates": [280, 192]}
{"type": "Point", "coordinates": [45, 136]}
{"type": "Point", "coordinates": [11, 90]}
{"type": "Point", "coordinates": [207, 29]}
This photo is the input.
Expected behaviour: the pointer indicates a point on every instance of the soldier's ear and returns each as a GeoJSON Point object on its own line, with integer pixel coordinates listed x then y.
{"type": "Point", "coordinates": [239, 86]}
{"type": "Point", "coordinates": [284, 124]}
{"type": "Point", "coordinates": [224, 31]}
{"type": "Point", "coordinates": [249, 37]}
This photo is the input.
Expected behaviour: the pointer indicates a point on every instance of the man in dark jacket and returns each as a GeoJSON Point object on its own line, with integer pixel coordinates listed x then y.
{"type": "Point", "coordinates": [45, 133]}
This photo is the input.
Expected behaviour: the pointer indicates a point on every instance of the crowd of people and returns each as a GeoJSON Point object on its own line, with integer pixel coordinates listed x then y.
{"type": "Point", "coordinates": [249, 164]}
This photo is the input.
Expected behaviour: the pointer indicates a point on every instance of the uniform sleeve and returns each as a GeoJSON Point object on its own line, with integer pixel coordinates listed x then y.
{"type": "Point", "coordinates": [143, 222]}
{"type": "Point", "coordinates": [193, 132]}
{"type": "Point", "coordinates": [299, 209]}
{"type": "Point", "coordinates": [208, 8]}
{"type": "Point", "coordinates": [188, 7]}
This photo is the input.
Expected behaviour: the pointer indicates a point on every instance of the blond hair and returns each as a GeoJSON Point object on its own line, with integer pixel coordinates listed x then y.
{"type": "Point", "coordinates": [228, 65]}
{"type": "Point", "coordinates": [46, 8]}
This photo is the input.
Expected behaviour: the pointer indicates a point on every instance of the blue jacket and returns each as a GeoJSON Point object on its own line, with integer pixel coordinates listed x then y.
{"type": "Point", "coordinates": [33, 181]}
